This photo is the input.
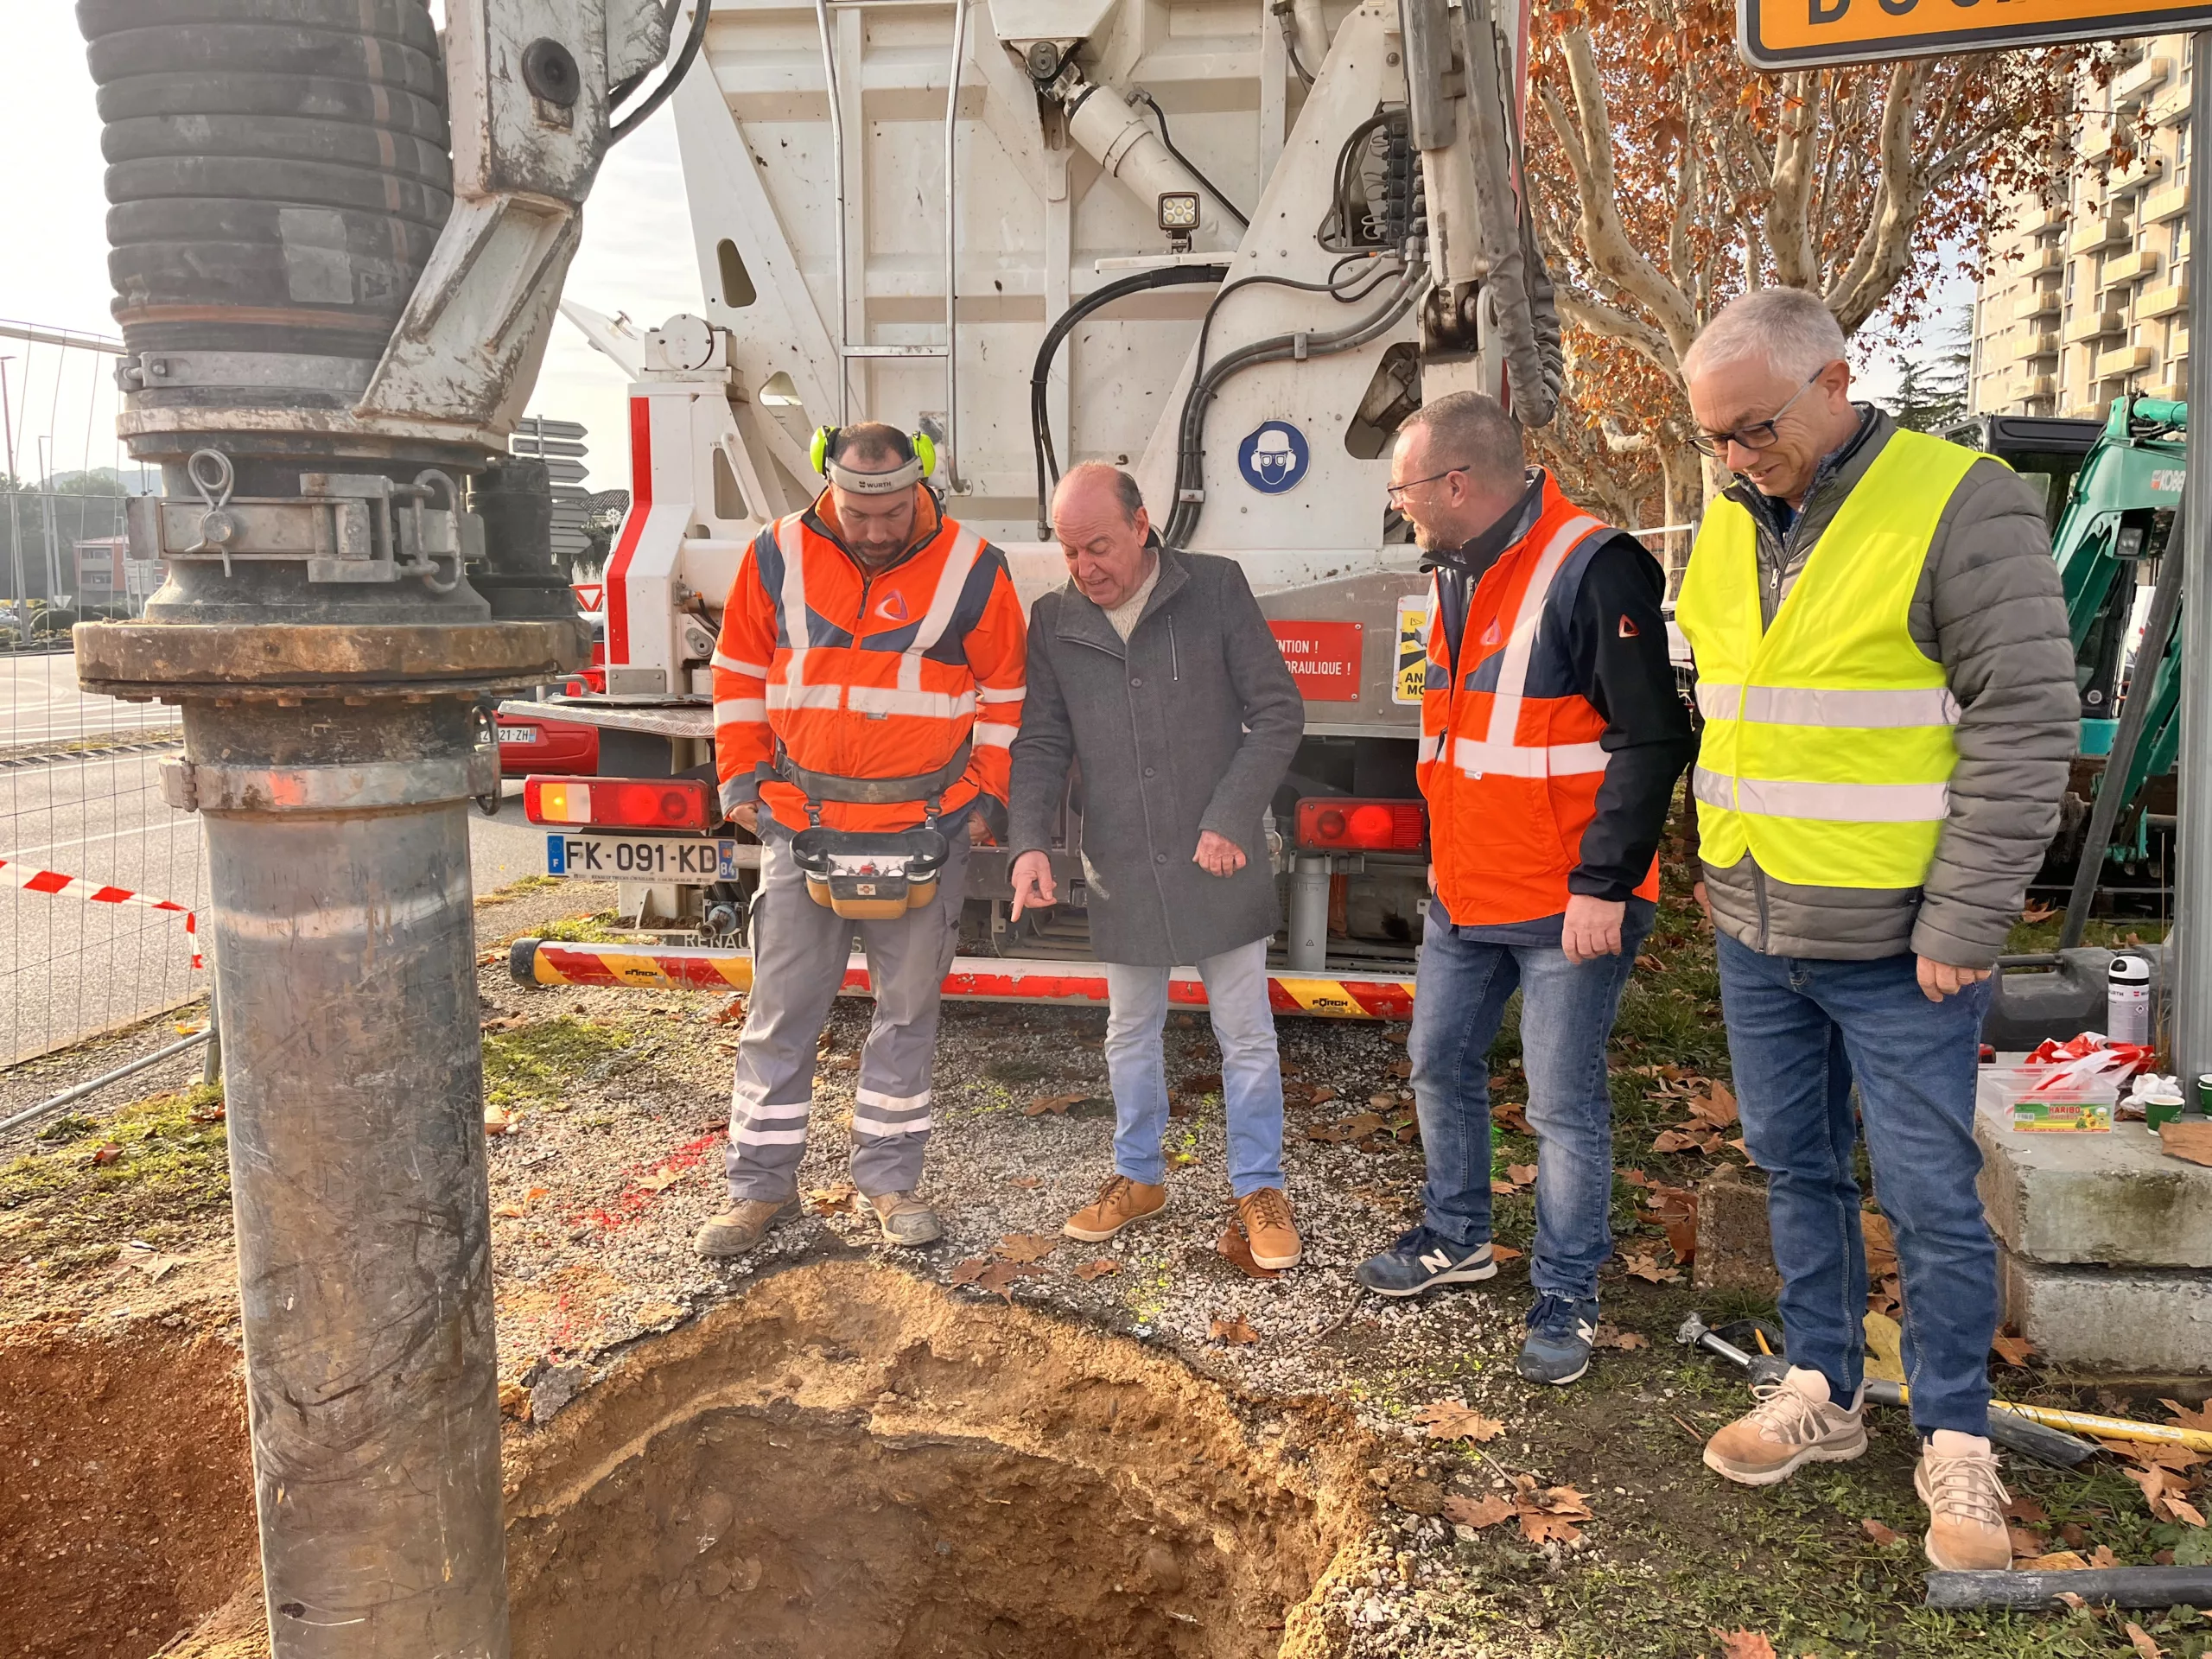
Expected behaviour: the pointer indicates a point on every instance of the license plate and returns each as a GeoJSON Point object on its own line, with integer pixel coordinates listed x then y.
{"type": "Point", "coordinates": [518, 734]}
{"type": "Point", "coordinates": [641, 858]}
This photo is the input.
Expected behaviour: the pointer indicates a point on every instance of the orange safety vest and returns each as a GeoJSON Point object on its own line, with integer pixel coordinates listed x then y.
{"type": "Point", "coordinates": [1509, 759]}
{"type": "Point", "coordinates": [864, 674]}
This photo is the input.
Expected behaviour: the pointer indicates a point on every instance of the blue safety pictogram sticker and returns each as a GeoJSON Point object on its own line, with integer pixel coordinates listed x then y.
{"type": "Point", "coordinates": [1273, 458]}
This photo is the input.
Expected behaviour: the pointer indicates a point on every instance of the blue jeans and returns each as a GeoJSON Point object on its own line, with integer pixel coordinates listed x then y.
{"type": "Point", "coordinates": [1566, 1015]}
{"type": "Point", "coordinates": [1251, 1070]}
{"type": "Point", "coordinates": [1800, 1032]}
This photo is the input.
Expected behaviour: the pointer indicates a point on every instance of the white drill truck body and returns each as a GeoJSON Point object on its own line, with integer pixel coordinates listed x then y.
{"type": "Point", "coordinates": [896, 203]}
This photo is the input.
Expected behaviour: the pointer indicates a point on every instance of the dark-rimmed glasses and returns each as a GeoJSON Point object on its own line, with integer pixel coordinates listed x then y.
{"type": "Point", "coordinates": [1397, 492]}
{"type": "Point", "coordinates": [1759, 435]}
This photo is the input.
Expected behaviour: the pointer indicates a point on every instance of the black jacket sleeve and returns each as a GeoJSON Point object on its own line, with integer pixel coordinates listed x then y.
{"type": "Point", "coordinates": [1618, 640]}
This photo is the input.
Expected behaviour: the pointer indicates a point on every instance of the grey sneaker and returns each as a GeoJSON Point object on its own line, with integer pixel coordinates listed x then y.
{"type": "Point", "coordinates": [905, 1219]}
{"type": "Point", "coordinates": [738, 1229]}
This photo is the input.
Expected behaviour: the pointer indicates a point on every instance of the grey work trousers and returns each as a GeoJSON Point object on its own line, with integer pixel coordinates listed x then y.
{"type": "Point", "coordinates": [798, 961]}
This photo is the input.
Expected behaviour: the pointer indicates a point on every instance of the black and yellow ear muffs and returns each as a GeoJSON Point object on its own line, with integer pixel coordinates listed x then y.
{"type": "Point", "coordinates": [921, 462]}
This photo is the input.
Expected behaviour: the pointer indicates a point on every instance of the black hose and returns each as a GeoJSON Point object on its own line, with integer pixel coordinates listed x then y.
{"type": "Point", "coordinates": [1041, 419]}
{"type": "Point", "coordinates": [623, 88]}
{"type": "Point", "coordinates": [660, 95]}
{"type": "Point", "coordinates": [1189, 461]}
{"type": "Point", "coordinates": [1143, 97]}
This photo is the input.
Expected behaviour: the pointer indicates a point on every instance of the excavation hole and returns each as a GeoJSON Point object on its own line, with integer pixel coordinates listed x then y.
{"type": "Point", "coordinates": [850, 1463]}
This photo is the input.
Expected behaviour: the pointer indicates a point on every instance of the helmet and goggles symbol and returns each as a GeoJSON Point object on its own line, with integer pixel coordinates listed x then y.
{"type": "Point", "coordinates": [1273, 458]}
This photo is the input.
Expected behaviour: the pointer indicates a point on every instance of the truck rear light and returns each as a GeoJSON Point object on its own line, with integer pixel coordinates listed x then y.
{"type": "Point", "coordinates": [621, 803]}
{"type": "Point", "coordinates": [1345, 824]}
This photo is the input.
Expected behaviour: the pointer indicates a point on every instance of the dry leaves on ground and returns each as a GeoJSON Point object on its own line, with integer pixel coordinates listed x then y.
{"type": "Point", "coordinates": [1237, 1249]}
{"type": "Point", "coordinates": [1057, 1104]}
{"type": "Point", "coordinates": [843, 1200]}
{"type": "Point", "coordinates": [1744, 1644]}
{"type": "Point", "coordinates": [1025, 1248]}
{"type": "Point", "coordinates": [729, 1013]}
{"type": "Point", "coordinates": [2026, 1544]}
{"type": "Point", "coordinates": [1402, 1068]}
{"type": "Point", "coordinates": [1233, 1329]}
{"type": "Point", "coordinates": [997, 1277]}
{"type": "Point", "coordinates": [2191, 1141]}
{"type": "Point", "coordinates": [1201, 1082]}
{"type": "Point", "coordinates": [1546, 1514]}
{"type": "Point", "coordinates": [2063, 1560]}
{"type": "Point", "coordinates": [2140, 1640]}
{"type": "Point", "coordinates": [1646, 1265]}
{"type": "Point", "coordinates": [2013, 1351]}
{"type": "Point", "coordinates": [1485, 1511]}
{"type": "Point", "coordinates": [1094, 1270]}
{"type": "Point", "coordinates": [1453, 1420]}
{"type": "Point", "coordinates": [1025, 1182]}
{"type": "Point", "coordinates": [1674, 1210]}
{"type": "Point", "coordinates": [1521, 1174]}
{"type": "Point", "coordinates": [1884, 1536]}
{"type": "Point", "coordinates": [504, 1022]}
{"type": "Point", "coordinates": [1626, 1342]}
{"type": "Point", "coordinates": [2163, 1490]}
{"type": "Point", "coordinates": [1510, 1114]}
{"type": "Point", "coordinates": [1503, 1252]}
{"type": "Point", "coordinates": [661, 1179]}
{"type": "Point", "coordinates": [2027, 1509]}
{"type": "Point", "coordinates": [1351, 1128]}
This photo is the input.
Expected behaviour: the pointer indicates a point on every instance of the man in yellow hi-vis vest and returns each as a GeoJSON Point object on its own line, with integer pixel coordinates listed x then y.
{"type": "Point", "coordinates": [1890, 708]}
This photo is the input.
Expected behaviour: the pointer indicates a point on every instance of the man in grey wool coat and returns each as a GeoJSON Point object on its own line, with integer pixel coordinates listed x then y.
{"type": "Point", "coordinates": [1155, 671]}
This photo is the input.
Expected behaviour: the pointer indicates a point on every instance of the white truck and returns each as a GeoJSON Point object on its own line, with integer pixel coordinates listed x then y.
{"type": "Point", "coordinates": [1229, 246]}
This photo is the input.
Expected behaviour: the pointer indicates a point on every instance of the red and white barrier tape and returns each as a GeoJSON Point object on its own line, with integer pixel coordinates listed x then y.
{"type": "Point", "coordinates": [52, 881]}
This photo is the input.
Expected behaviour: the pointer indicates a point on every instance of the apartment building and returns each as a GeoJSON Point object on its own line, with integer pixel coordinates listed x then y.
{"type": "Point", "coordinates": [2091, 299]}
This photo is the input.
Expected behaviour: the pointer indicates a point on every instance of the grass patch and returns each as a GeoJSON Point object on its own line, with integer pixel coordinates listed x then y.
{"type": "Point", "coordinates": [2032, 939]}
{"type": "Point", "coordinates": [535, 1065]}
{"type": "Point", "coordinates": [517, 888]}
{"type": "Point", "coordinates": [171, 1172]}
{"type": "Point", "coordinates": [605, 928]}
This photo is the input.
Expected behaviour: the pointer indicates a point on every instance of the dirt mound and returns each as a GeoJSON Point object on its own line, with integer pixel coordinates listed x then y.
{"type": "Point", "coordinates": [848, 1461]}
{"type": "Point", "coordinates": [129, 1510]}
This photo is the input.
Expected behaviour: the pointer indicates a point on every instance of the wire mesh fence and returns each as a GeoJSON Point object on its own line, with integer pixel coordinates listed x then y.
{"type": "Point", "coordinates": [86, 839]}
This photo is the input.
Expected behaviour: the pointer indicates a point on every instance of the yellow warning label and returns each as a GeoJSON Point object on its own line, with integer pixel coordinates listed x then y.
{"type": "Point", "coordinates": [1413, 650]}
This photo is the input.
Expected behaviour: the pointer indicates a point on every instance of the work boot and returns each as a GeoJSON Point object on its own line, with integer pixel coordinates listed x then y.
{"type": "Point", "coordinates": [1120, 1202]}
{"type": "Point", "coordinates": [905, 1218]}
{"type": "Point", "coordinates": [1793, 1423]}
{"type": "Point", "coordinates": [1957, 1480]}
{"type": "Point", "coordinates": [739, 1227]}
{"type": "Point", "coordinates": [1268, 1225]}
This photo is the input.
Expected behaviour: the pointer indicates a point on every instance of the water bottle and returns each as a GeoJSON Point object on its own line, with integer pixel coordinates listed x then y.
{"type": "Point", "coordinates": [2127, 1000]}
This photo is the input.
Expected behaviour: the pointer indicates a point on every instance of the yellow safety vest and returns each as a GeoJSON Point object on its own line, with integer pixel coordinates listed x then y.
{"type": "Point", "coordinates": [1827, 750]}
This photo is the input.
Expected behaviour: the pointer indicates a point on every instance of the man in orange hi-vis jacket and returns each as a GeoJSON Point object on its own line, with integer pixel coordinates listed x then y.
{"type": "Point", "coordinates": [868, 679]}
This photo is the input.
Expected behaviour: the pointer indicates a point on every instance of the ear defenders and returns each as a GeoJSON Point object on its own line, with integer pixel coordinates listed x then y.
{"type": "Point", "coordinates": [921, 462]}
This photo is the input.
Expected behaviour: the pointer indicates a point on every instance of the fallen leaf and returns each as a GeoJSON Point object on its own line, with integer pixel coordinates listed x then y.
{"type": "Point", "coordinates": [2185, 1512]}
{"type": "Point", "coordinates": [1521, 1174]}
{"type": "Point", "coordinates": [2191, 1141]}
{"type": "Point", "coordinates": [1234, 1330]}
{"type": "Point", "coordinates": [1349, 1128]}
{"type": "Point", "coordinates": [2140, 1639]}
{"type": "Point", "coordinates": [1402, 1069]}
{"type": "Point", "coordinates": [496, 1121]}
{"type": "Point", "coordinates": [1383, 1100]}
{"type": "Point", "coordinates": [209, 1114]}
{"type": "Point", "coordinates": [1611, 1336]}
{"type": "Point", "coordinates": [994, 1276]}
{"type": "Point", "coordinates": [1881, 1534]}
{"type": "Point", "coordinates": [1098, 1269]}
{"type": "Point", "coordinates": [535, 1193]}
{"type": "Point", "coordinates": [1323, 1096]}
{"type": "Point", "coordinates": [1651, 963]}
{"type": "Point", "coordinates": [1451, 1420]}
{"type": "Point", "coordinates": [2069, 1598]}
{"type": "Point", "coordinates": [504, 1022]}
{"type": "Point", "coordinates": [2013, 1351]}
{"type": "Point", "coordinates": [1717, 1106]}
{"type": "Point", "coordinates": [729, 1013]}
{"type": "Point", "coordinates": [1025, 1183]}
{"type": "Point", "coordinates": [1028, 1246]}
{"type": "Point", "coordinates": [1675, 1141]}
{"type": "Point", "coordinates": [1500, 1188]}
{"type": "Point", "coordinates": [1055, 1103]}
{"type": "Point", "coordinates": [2103, 1556]}
{"type": "Point", "coordinates": [2026, 1510]}
{"type": "Point", "coordinates": [843, 1200]}
{"type": "Point", "coordinates": [1485, 1511]}
{"type": "Point", "coordinates": [2189, 1416]}
{"type": "Point", "coordinates": [1538, 1528]}
{"type": "Point", "coordinates": [512, 1212]}
{"type": "Point", "coordinates": [107, 1155]}
{"type": "Point", "coordinates": [1201, 1082]}
{"type": "Point", "coordinates": [2064, 1560]}
{"type": "Point", "coordinates": [1504, 1253]}
{"type": "Point", "coordinates": [1744, 1644]}
{"type": "Point", "coordinates": [661, 1179]}
{"type": "Point", "coordinates": [1648, 1268]}
{"type": "Point", "coordinates": [2027, 1545]}
{"type": "Point", "coordinates": [1237, 1248]}
{"type": "Point", "coordinates": [967, 1271]}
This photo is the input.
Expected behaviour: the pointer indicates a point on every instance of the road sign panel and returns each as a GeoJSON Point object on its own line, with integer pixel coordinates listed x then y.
{"type": "Point", "coordinates": [524, 444]}
{"type": "Point", "coordinates": [537, 426]}
{"type": "Point", "coordinates": [1778, 35]}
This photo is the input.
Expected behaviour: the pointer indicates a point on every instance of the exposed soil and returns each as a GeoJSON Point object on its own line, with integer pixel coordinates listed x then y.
{"type": "Point", "coordinates": [130, 1508]}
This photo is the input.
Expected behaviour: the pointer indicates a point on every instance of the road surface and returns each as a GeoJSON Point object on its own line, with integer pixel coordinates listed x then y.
{"type": "Point", "coordinates": [69, 966]}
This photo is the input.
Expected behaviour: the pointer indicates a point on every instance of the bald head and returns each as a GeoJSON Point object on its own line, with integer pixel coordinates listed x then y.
{"type": "Point", "coordinates": [1099, 519]}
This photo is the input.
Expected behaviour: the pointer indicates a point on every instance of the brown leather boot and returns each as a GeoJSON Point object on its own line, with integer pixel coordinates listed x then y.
{"type": "Point", "coordinates": [905, 1218]}
{"type": "Point", "coordinates": [1267, 1224]}
{"type": "Point", "coordinates": [1957, 1480]}
{"type": "Point", "coordinates": [1120, 1202]}
{"type": "Point", "coordinates": [1793, 1423]}
{"type": "Point", "coordinates": [738, 1229]}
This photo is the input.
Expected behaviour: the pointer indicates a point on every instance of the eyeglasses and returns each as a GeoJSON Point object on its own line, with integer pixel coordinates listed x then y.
{"type": "Point", "coordinates": [1759, 435]}
{"type": "Point", "coordinates": [1397, 492]}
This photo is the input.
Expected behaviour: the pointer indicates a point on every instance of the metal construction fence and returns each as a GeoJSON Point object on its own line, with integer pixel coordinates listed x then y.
{"type": "Point", "coordinates": [98, 876]}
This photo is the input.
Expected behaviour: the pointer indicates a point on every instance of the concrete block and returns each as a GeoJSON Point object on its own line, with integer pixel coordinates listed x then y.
{"type": "Point", "coordinates": [2139, 1321]}
{"type": "Point", "coordinates": [1735, 1250]}
{"type": "Point", "coordinates": [2111, 1199]}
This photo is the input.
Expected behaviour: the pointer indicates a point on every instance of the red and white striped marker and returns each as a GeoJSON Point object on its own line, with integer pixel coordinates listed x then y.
{"type": "Point", "coordinates": [52, 881]}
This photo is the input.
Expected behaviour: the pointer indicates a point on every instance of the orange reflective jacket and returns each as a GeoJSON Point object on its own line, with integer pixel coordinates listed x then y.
{"type": "Point", "coordinates": [867, 674]}
{"type": "Point", "coordinates": [1510, 759]}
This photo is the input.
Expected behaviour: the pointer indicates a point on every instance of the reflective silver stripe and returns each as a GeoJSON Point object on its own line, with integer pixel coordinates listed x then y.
{"type": "Point", "coordinates": [1010, 694]}
{"type": "Point", "coordinates": [791, 541]}
{"type": "Point", "coordinates": [739, 711]}
{"type": "Point", "coordinates": [1844, 708]}
{"type": "Point", "coordinates": [959, 560]}
{"type": "Point", "coordinates": [1779, 797]}
{"type": "Point", "coordinates": [1427, 751]}
{"type": "Point", "coordinates": [896, 700]}
{"type": "Point", "coordinates": [758, 670]}
{"type": "Point", "coordinates": [1521, 645]}
{"type": "Point", "coordinates": [992, 735]}
{"type": "Point", "coordinates": [1475, 757]}
{"type": "Point", "coordinates": [781, 695]}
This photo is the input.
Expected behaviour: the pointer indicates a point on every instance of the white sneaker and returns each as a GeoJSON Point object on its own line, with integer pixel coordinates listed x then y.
{"type": "Point", "coordinates": [1795, 1423]}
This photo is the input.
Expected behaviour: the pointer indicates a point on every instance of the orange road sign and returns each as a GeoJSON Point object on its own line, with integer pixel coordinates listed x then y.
{"type": "Point", "coordinates": [1778, 35]}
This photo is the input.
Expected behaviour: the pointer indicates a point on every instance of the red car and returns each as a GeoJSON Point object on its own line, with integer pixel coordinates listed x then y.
{"type": "Point", "coordinates": [533, 743]}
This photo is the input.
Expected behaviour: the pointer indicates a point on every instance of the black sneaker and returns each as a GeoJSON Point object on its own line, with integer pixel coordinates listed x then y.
{"type": "Point", "coordinates": [1421, 1260]}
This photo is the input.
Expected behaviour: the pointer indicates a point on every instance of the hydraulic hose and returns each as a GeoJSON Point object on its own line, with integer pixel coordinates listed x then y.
{"type": "Point", "coordinates": [1190, 453]}
{"type": "Point", "coordinates": [660, 95]}
{"type": "Point", "coordinates": [1160, 116]}
{"type": "Point", "coordinates": [1041, 419]}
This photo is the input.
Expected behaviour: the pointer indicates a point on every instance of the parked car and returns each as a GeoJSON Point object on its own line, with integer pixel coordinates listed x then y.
{"type": "Point", "coordinates": [546, 743]}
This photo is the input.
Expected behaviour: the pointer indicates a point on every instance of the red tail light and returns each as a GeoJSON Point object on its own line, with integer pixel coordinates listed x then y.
{"type": "Point", "coordinates": [621, 803]}
{"type": "Point", "coordinates": [1346, 823]}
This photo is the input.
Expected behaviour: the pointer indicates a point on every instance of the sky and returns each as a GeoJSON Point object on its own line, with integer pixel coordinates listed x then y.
{"type": "Point", "coordinates": [636, 257]}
